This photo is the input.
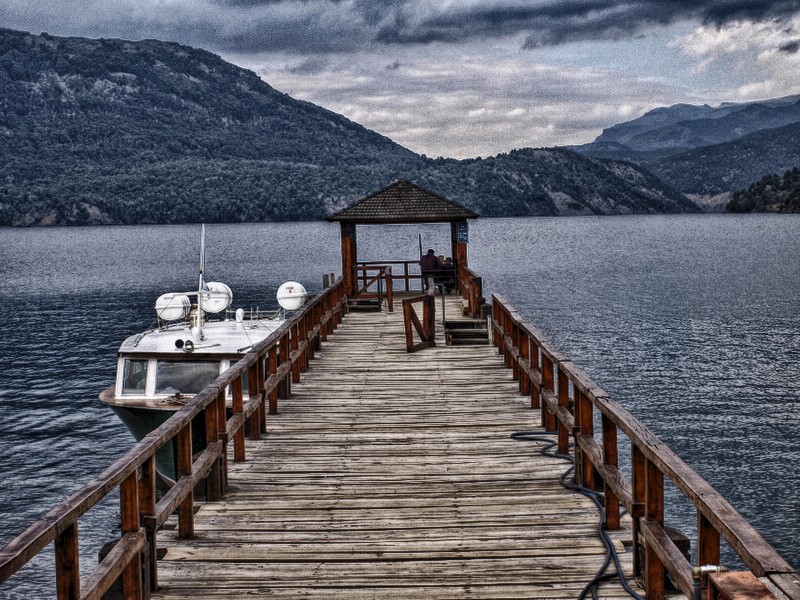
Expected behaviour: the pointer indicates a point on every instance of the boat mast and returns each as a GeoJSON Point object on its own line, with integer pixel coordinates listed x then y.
{"type": "Point", "coordinates": [201, 285]}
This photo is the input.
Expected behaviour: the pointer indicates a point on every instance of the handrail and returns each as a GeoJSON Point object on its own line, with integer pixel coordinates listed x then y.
{"type": "Point", "coordinates": [546, 376]}
{"type": "Point", "coordinates": [270, 368]}
{"type": "Point", "coordinates": [426, 329]}
{"type": "Point", "coordinates": [383, 277]}
{"type": "Point", "coordinates": [471, 287]}
{"type": "Point", "coordinates": [407, 276]}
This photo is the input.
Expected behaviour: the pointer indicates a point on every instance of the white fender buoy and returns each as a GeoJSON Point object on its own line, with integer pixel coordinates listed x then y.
{"type": "Point", "coordinates": [291, 295]}
{"type": "Point", "coordinates": [172, 307]}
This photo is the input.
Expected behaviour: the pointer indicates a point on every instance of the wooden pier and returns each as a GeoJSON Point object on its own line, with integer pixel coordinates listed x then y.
{"type": "Point", "coordinates": [388, 474]}
{"type": "Point", "coordinates": [380, 462]}
{"type": "Point", "coordinates": [372, 471]}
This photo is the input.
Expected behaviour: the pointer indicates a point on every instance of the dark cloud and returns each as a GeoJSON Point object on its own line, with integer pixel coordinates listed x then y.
{"type": "Point", "coordinates": [554, 22]}
{"type": "Point", "coordinates": [374, 12]}
{"type": "Point", "coordinates": [257, 3]}
{"type": "Point", "coordinates": [310, 66]}
{"type": "Point", "coordinates": [248, 3]}
{"type": "Point", "coordinates": [319, 26]}
{"type": "Point", "coordinates": [790, 47]}
{"type": "Point", "coordinates": [719, 13]}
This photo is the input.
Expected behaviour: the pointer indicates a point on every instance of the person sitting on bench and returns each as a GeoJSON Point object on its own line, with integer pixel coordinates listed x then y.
{"type": "Point", "coordinates": [429, 264]}
{"type": "Point", "coordinates": [447, 275]}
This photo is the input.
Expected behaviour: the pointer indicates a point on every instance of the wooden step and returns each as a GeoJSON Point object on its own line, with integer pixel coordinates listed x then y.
{"type": "Point", "coordinates": [364, 305]}
{"type": "Point", "coordinates": [467, 332]}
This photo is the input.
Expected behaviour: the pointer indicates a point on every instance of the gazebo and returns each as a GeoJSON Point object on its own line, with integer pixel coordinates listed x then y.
{"type": "Point", "coordinates": [402, 202]}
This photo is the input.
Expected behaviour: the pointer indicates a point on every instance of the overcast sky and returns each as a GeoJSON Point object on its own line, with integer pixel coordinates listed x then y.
{"type": "Point", "coordinates": [470, 77]}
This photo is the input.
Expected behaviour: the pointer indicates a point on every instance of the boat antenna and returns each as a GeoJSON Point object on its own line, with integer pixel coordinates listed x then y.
{"type": "Point", "coordinates": [201, 286]}
{"type": "Point", "coordinates": [202, 250]}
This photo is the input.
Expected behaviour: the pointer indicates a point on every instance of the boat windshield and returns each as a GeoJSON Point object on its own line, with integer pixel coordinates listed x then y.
{"type": "Point", "coordinates": [134, 377]}
{"type": "Point", "coordinates": [184, 376]}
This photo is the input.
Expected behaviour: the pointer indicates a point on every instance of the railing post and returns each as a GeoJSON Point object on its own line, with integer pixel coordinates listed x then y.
{"type": "Point", "coordinates": [285, 386]}
{"type": "Point", "coordinates": [476, 292]}
{"type": "Point", "coordinates": [585, 416]}
{"type": "Point", "coordinates": [222, 429]}
{"type": "Point", "coordinates": [508, 335]}
{"type": "Point", "coordinates": [340, 304]}
{"type": "Point", "coordinates": [639, 492]}
{"type": "Point", "coordinates": [147, 517]}
{"type": "Point", "coordinates": [129, 517]}
{"type": "Point", "coordinates": [515, 336]}
{"type": "Point", "coordinates": [524, 352]}
{"type": "Point", "coordinates": [213, 482]}
{"type": "Point", "coordinates": [389, 289]}
{"type": "Point", "coordinates": [184, 469]}
{"type": "Point", "coordinates": [654, 511]}
{"type": "Point", "coordinates": [536, 401]}
{"type": "Point", "coordinates": [548, 419]}
{"type": "Point", "coordinates": [252, 392]}
{"type": "Point", "coordinates": [333, 308]}
{"type": "Point", "coordinates": [408, 325]}
{"type": "Point", "coordinates": [497, 319]}
{"type": "Point", "coordinates": [429, 315]}
{"type": "Point", "coordinates": [707, 542]}
{"type": "Point", "coordinates": [563, 401]}
{"type": "Point", "coordinates": [503, 335]}
{"type": "Point", "coordinates": [611, 459]}
{"type": "Point", "coordinates": [576, 432]}
{"type": "Point", "coordinates": [262, 391]}
{"type": "Point", "coordinates": [301, 330]}
{"type": "Point", "coordinates": [272, 369]}
{"type": "Point", "coordinates": [312, 318]}
{"type": "Point", "coordinates": [286, 358]}
{"type": "Point", "coordinates": [68, 576]}
{"type": "Point", "coordinates": [295, 342]}
{"type": "Point", "coordinates": [325, 306]}
{"type": "Point", "coordinates": [238, 409]}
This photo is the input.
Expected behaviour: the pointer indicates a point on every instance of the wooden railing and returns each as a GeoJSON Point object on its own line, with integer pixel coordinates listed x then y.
{"type": "Point", "coordinates": [402, 270]}
{"type": "Point", "coordinates": [547, 376]}
{"type": "Point", "coordinates": [468, 283]}
{"type": "Point", "coordinates": [270, 369]}
{"type": "Point", "coordinates": [471, 288]}
{"type": "Point", "coordinates": [381, 277]}
{"type": "Point", "coordinates": [426, 329]}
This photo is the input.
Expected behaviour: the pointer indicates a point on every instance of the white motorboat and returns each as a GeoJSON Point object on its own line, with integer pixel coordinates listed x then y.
{"type": "Point", "coordinates": [198, 337]}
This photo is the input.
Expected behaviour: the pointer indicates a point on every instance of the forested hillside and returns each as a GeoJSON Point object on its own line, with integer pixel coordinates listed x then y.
{"type": "Point", "coordinates": [111, 131]}
{"type": "Point", "coordinates": [730, 166]}
{"type": "Point", "coordinates": [773, 193]}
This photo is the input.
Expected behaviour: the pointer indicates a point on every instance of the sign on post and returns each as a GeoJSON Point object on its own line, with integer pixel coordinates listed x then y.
{"type": "Point", "coordinates": [462, 233]}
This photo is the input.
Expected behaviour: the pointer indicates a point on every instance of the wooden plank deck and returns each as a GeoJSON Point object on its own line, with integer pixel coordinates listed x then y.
{"type": "Point", "coordinates": [392, 475]}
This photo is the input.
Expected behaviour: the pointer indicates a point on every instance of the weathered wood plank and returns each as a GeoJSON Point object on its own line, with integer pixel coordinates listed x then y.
{"type": "Point", "coordinates": [388, 474]}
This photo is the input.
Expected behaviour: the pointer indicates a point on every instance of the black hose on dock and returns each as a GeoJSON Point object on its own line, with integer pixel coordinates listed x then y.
{"type": "Point", "coordinates": [597, 498]}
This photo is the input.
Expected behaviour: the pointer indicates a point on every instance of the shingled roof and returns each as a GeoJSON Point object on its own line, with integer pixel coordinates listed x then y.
{"type": "Point", "coordinates": [403, 202]}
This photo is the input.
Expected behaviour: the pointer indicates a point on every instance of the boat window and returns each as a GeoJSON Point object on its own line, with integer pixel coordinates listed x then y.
{"type": "Point", "coordinates": [134, 377]}
{"type": "Point", "coordinates": [184, 376]}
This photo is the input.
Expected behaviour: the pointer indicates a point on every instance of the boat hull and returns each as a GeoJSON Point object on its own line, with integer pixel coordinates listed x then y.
{"type": "Point", "coordinates": [140, 422]}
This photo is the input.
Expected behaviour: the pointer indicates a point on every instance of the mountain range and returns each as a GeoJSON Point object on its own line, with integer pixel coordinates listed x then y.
{"type": "Point", "coordinates": [113, 131]}
{"type": "Point", "coordinates": [706, 151]}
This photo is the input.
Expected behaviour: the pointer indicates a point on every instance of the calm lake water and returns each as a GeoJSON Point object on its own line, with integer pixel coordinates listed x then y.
{"type": "Point", "coordinates": [691, 321]}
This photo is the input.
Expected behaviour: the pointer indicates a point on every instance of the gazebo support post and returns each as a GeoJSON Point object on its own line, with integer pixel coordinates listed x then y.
{"type": "Point", "coordinates": [349, 258]}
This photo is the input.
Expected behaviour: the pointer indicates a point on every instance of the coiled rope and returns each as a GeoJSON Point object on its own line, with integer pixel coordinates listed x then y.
{"type": "Point", "coordinates": [597, 497]}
